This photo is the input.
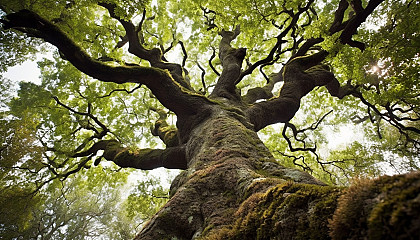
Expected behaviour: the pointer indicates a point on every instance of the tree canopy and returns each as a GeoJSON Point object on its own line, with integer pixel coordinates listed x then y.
{"type": "Point", "coordinates": [117, 75]}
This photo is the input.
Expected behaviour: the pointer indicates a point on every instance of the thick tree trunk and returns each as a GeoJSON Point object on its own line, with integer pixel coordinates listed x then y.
{"type": "Point", "coordinates": [234, 189]}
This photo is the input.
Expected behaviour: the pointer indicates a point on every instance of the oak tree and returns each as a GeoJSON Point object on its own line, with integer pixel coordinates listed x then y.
{"type": "Point", "coordinates": [194, 85]}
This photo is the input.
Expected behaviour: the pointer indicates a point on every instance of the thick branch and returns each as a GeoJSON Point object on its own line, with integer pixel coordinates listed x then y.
{"type": "Point", "coordinates": [257, 93]}
{"type": "Point", "coordinates": [276, 48]}
{"type": "Point", "coordinates": [301, 76]}
{"type": "Point", "coordinates": [154, 56]}
{"type": "Point", "coordinates": [353, 23]}
{"type": "Point", "coordinates": [338, 24]}
{"type": "Point", "coordinates": [265, 92]}
{"type": "Point", "coordinates": [145, 159]}
{"type": "Point", "coordinates": [231, 59]}
{"type": "Point", "coordinates": [160, 82]}
{"type": "Point", "coordinates": [167, 133]}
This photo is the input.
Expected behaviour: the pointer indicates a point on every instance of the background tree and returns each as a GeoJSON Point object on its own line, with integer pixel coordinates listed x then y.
{"type": "Point", "coordinates": [122, 73]}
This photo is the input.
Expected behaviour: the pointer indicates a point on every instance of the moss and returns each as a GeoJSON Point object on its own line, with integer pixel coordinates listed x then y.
{"type": "Point", "coordinates": [398, 212]}
{"type": "Point", "coordinates": [384, 208]}
{"type": "Point", "coordinates": [171, 138]}
{"type": "Point", "coordinates": [123, 154]}
{"type": "Point", "coordinates": [286, 211]}
{"type": "Point", "coordinates": [261, 185]}
{"type": "Point", "coordinates": [207, 230]}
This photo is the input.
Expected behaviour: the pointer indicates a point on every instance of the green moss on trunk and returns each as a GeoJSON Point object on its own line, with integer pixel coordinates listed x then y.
{"type": "Point", "coordinates": [286, 211]}
{"type": "Point", "coordinates": [385, 208]}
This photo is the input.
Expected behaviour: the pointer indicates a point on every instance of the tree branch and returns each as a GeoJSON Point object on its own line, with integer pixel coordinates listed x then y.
{"type": "Point", "coordinates": [353, 23]}
{"type": "Point", "coordinates": [145, 159]}
{"type": "Point", "coordinates": [276, 48]}
{"type": "Point", "coordinates": [265, 92]}
{"type": "Point", "coordinates": [159, 81]}
{"type": "Point", "coordinates": [121, 90]}
{"type": "Point", "coordinates": [203, 74]}
{"type": "Point", "coordinates": [300, 75]}
{"type": "Point", "coordinates": [168, 134]}
{"type": "Point", "coordinates": [213, 55]}
{"type": "Point", "coordinates": [154, 56]}
{"type": "Point", "coordinates": [231, 59]}
{"type": "Point", "coordinates": [88, 114]}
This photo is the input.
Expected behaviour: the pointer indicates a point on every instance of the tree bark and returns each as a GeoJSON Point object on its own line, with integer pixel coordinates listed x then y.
{"type": "Point", "coordinates": [234, 189]}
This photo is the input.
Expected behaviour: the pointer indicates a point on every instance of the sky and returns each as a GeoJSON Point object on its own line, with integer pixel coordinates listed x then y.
{"type": "Point", "coordinates": [27, 71]}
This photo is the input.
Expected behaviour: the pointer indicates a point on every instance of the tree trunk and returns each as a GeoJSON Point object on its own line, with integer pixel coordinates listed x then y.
{"type": "Point", "coordinates": [234, 189]}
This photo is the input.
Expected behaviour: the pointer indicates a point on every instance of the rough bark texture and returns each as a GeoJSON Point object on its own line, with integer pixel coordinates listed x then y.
{"type": "Point", "coordinates": [226, 164]}
{"type": "Point", "coordinates": [232, 187]}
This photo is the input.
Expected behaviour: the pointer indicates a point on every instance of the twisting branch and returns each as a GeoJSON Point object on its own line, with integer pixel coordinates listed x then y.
{"type": "Point", "coordinates": [98, 135]}
{"type": "Point", "coordinates": [375, 115]}
{"type": "Point", "coordinates": [203, 74]}
{"type": "Point", "coordinates": [266, 92]}
{"type": "Point", "coordinates": [277, 47]}
{"type": "Point", "coordinates": [391, 114]}
{"type": "Point", "coordinates": [121, 90]}
{"type": "Point", "coordinates": [168, 134]}
{"type": "Point", "coordinates": [159, 81]}
{"type": "Point", "coordinates": [154, 56]}
{"type": "Point", "coordinates": [296, 131]}
{"type": "Point", "coordinates": [304, 165]}
{"type": "Point", "coordinates": [255, 94]}
{"type": "Point", "coordinates": [312, 150]}
{"type": "Point", "coordinates": [74, 168]}
{"type": "Point", "coordinates": [301, 75]}
{"type": "Point", "coordinates": [338, 23]}
{"type": "Point", "coordinates": [125, 39]}
{"type": "Point", "coordinates": [146, 159]}
{"type": "Point", "coordinates": [313, 127]}
{"type": "Point", "coordinates": [289, 143]}
{"type": "Point", "coordinates": [213, 55]}
{"type": "Point", "coordinates": [349, 27]}
{"type": "Point", "coordinates": [387, 116]}
{"type": "Point", "coordinates": [104, 131]}
{"type": "Point", "coordinates": [231, 59]}
{"type": "Point", "coordinates": [209, 19]}
{"type": "Point", "coordinates": [267, 59]}
{"type": "Point", "coordinates": [184, 51]}
{"type": "Point", "coordinates": [308, 44]}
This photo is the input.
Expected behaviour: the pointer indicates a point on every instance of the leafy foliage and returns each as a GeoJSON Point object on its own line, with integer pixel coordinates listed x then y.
{"type": "Point", "coordinates": [44, 125]}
